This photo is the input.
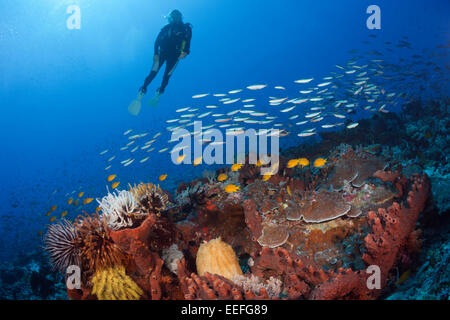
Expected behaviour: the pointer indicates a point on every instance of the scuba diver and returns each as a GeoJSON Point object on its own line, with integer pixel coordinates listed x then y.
{"type": "Point", "coordinates": [172, 44]}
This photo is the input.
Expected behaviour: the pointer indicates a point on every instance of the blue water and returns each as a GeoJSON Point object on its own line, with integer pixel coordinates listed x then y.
{"type": "Point", "coordinates": [64, 93]}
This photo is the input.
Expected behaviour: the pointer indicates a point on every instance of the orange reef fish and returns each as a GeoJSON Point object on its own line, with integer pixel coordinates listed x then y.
{"type": "Point", "coordinates": [231, 188]}
{"type": "Point", "coordinates": [162, 177]}
{"type": "Point", "coordinates": [180, 158]}
{"type": "Point", "coordinates": [221, 177]}
{"type": "Point", "coordinates": [75, 203]}
{"type": "Point", "coordinates": [115, 185]}
{"type": "Point", "coordinates": [70, 201]}
{"type": "Point", "coordinates": [319, 162]}
{"type": "Point", "coordinates": [63, 214]}
{"type": "Point", "coordinates": [292, 163]}
{"type": "Point", "coordinates": [87, 200]}
{"type": "Point", "coordinates": [111, 177]}
{"type": "Point", "coordinates": [197, 161]}
{"type": "Point", "coordinates": [259, 163]}
{"type": "Point", "coordinates": [236, 167]}
{"type": "Point", "coordinates": [53, 208]}
{"type": "Point", "coordinates": [303, 162]}
{"type": "Point", "coordinates": [80, 194]}
{"type": "Point", "coordinates": [52, 219]}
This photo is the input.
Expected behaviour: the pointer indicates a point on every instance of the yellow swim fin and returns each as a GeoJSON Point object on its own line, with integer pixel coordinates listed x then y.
{"type": "Point", "coordinates": [135, 106]}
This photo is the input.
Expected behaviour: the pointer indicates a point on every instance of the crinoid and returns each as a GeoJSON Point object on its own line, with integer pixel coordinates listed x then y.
{"type": "Point", "coordinates": [115, 284]}
{"type": "Point", "coordinates": [121, 210]}
{"type": "Point", "coordinates": [97, 249]}
{"type": "Point", "coordinates": [192, 195]}
{"type": "Point", "coordinates": [61, 243]}
{"type": "Point", "coordinates": [150, 198]}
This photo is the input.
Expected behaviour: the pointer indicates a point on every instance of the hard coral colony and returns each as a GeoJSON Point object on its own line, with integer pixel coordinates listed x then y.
{"type": "Point", "coordinates": [305, 234]}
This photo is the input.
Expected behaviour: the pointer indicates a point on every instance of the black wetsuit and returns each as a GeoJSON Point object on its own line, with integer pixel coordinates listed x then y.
{"type": "Point", "coordinates": [172, 40]}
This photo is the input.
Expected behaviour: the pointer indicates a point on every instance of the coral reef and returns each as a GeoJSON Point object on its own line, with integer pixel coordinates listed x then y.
{"type": "Point", "coordinates": [431, 280]}
{"type": "Point", "coordinates": [353, 167]}
{"type": "Point", "coordinates": [297, 241]}
{"type": "Point", "coordinates": [303, 233]}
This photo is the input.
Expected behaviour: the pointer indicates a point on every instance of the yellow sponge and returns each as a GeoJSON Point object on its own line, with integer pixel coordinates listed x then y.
{"type": "Point", "coordinates": [217, 257]}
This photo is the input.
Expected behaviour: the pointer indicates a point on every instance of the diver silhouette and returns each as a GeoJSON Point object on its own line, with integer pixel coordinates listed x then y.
{"type": "Point", "coordinates": [172, 44]}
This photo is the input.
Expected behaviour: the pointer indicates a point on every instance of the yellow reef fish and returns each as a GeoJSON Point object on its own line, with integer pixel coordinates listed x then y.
{"type": "Point", "coordinates": [231, 188]}
{"type": "Point", "coordinates": [222, 177]}
{"type": "Point", "coordinates": [266, 176]}
{"type": "Point", "coordinates": [403, 277]}
{"type": "Point", "coordinates": [236, 167]}
{"type": "Point", "coordinates": [80, 194]}
{"type": "Point", "coordinates": [303, 162]}
{"type": "Point", "coordinates": [87, 200]}
{"type": "Point", "coordinates": [259, 163]}
{"type": "Point", "coordinates": [53, 208]}
{"type": "Point", "coordinates": [319, 162]}
{"type": "Point", "coordinates": [63, 214]}
{"type": "Point", "coordinates": [197, 161]}
{"type": "Point", "coordinates": [75, 203]}
{"type": "Point", "coordinates": [289, 191]}
{"type": "Point", "coordinates": [162, 177]}
{"type": "Point", "coordinates": [111, 177]}
{"type": "Point", "coordinates": [180, 158]}
{"type": "Point", "coordinates": [292, 163]}
{"type": "Point", "coordinates": [115, 185]}
{"type": "Point", "coordinates": [70, 201]}
{"type": "Point", "coordinates": [52, 219]}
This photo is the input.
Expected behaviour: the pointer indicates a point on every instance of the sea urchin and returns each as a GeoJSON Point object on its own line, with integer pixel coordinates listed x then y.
{"type": "Point", "coordinates": [61, 242]}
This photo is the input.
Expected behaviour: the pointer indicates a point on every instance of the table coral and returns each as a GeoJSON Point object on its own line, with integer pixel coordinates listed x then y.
{"type": "Point", "coordinates": [273, 236]}
{"type": "Point", "coordinates": [316, 207]}
{"type": "Point", "coordinates": [353, 166]}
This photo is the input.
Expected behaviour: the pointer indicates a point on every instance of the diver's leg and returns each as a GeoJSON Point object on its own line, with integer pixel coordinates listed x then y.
{"type": "Point", "coordinates": [171, 64]}
{"type": "Point", "coordinates": [158, 61]}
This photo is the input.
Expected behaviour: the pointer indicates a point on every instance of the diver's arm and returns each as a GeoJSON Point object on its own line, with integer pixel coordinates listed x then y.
{"type": "Point", "coordinates": [187, 46]}
{"type": "Point", "coordinates": [158, 40]}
